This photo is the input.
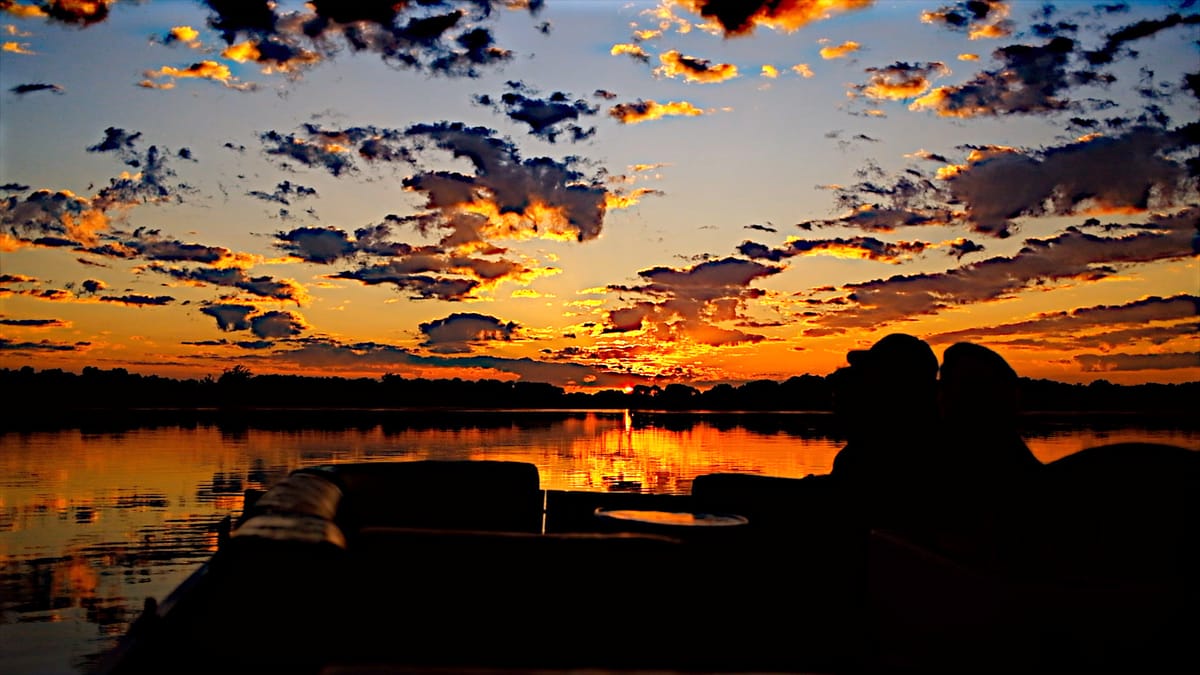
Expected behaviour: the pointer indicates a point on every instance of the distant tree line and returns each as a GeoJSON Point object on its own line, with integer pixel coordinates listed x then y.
{"type": "Point", "coordinates": [28, 391]}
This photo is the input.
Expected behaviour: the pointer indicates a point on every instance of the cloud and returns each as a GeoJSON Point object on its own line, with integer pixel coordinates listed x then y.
{"type": "Point", "coordinates": [507, 197]}
{"type": "Point", "coordinates": [977, 18]}
{"type": "Point", "coordinates": [277, 324]}
{"type": "Point", "coordinates": [1102, 363]}
{"type": "Point", "coordinates": [548, 117]}
{"type": "Point", "coordinates": [642, 111]}
{"type": "Point", "coordinates": [693, 69]}
{"type": "Point", "coordinates": [230, 317]}
{"type": "Point", "coordinates": [261, 286]}
{"type": "Point", "coordinates": [1028, 82]}
{"type": "Point", "coordinates": [76, 12]}
{"type": "Point", "coordinates": [1070, 257]}
{"type": "Point", "coordinates": [741, 18]}
{"type": "Point", "coordinates": [900, 80]}
{"type": "Point", "coordinates": [335, 150]}
{"type": "Point", "coordinates": [284, 192]}
{"type": "Point", "coordinates": [459, 332]}
{"type": "Point", "coordinates": [1137, 31]}
{"type": "Point", "coordinates": [1131, 170]}
{"type": "Point", "coordinates": [444, 38]}
{"type": "Point", "coordinates": [331, 354]}
{"type": "Point", "coordinates": [7, 345]}
{"type": "Point", "coordinates": [427, 273]}
{"type": "Point", "coordinates": [12, 47]}
{"type": "Point", "coordinates": [635, 51]}
{"type": "Point", "coordinates": [686, 305]}
{"type": "Point", "coordinates": [839, 51]}
{"type": "Point", "coordinates": [200, 70]}
{"type": "Point", "coordinates": [148, 244]}
{"type": "Point", "coordinates": [34, 323]}
{"type": "Point", "coordinates": [22, 89]}
{"type": "Point", "coordinates": [1148, 313]}
{"type": "Point", "coordinates": [137, 300]}
{"type": "Point", "coordinates": [868, 248]}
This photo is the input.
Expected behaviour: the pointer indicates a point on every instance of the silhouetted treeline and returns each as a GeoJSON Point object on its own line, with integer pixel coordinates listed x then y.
{"type": "Point", "coordinates": [54, 391]}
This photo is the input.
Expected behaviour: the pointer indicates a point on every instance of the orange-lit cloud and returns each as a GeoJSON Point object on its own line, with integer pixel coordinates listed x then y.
{"type": "Point", "coordinates": [741, 18]}
{"type": "Point", "coordinates": [978, 18]}
{"type": "Point", "coordinates": [17, 48]}
{"type": "Point", "coordinates": [1067, 258]}
{"type": "Point", "coordinates": [692, 69]}
{"type": "Point", "coordinates": [201, 70]}
{"type": "Point", "coordinates": [687, 305]}
{"type": "Point", "coordinates": [900, 80]}
{"type": "Point", "coordinates": [1028, 82]}
{"type": "Point", "coordinates": [642, 111]}
{"type": "Point", "coordinates": [633, 50]}
{"type": "Point", "coordinates": [838, 51]}
{"type": "Point", "coordinates": [803, 70]}
{"type": "Point", "coordinates": [769, 71]}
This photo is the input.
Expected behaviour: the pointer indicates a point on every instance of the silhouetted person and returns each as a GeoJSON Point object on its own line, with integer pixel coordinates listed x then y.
{"type": "Point", "coordinates": [887, 402]}
{"type": "Point", "coordinates": [983, 466]}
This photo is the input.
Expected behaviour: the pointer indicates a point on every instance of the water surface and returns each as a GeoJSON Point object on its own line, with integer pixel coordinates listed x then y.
{"type": "Point", "coordinates": [95, 520]}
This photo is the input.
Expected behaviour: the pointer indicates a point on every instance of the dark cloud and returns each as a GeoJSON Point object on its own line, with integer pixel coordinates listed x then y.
{"type": "Point", "coordinates": [284, 193]}
{"type": "Point", "coordinates": [459, 332]}
{"type": "Point", "coordinates": [7, 345]}
{"type": "Point", "coordinates": [149, 244]}
{"type": "Point", "coordinates": [1028, 81]}
{"type": "Point", "coordinates": [1137, 31]}
{"type": "Point", "coordinates": [276, 324]}
{"type": "Point", "coordinates": [331, 354]}
{"type": "Point", "coordinates": [262, 286]}
{"type": "Point", "coordinates": [962, 247]}
{"type": "Point", "coordinates": [901, 80]}
{"type": "Point", "coordinates": [688, 304]}
{"type": "Point", "coordinates": [1100, 363]}
{"type": "Point", "coordinates": [520, 197]}
{"type": "Point", "coordinates": [33, 323]}
{"type": "Point", "coordinates": [1148, 313]}
{"type": "Point", "coordinates": [854, 247]}
{"type": "Point", "coordinates": [14, 187]}
{"type": "Point", "coordinates": [977, 18]}
{"type": "Point", "coordinates": [317, 244]}
{"type": "Point", "coordinates": [22, 89]}
{"type": "Point", "coordinates": [137, 300]}
{"type": "Point", "coordinates": [1069, 257]}
{"type": "Point", "coordinates": [760, 228]}
{"type": "Point", "coordinates": [116, 140]}
{"type": "Point", "coordinates": [443, 37]}
{"type": "Point", "coordinates": [548, 117]}
{"type": "Point", "coordinates": [230, 317]}
{"type": "Point", "coordinates": [335, 149]}
{"type": "Point", "coordinates": [1132, 170]}
{"type": "Point", "coordinates": [741, 17]}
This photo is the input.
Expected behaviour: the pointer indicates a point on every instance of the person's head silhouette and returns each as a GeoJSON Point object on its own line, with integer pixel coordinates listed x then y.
{"type": "Point", "coordinates": [892, 383]}
{"type": "Point", "coordinates": [977, 388]}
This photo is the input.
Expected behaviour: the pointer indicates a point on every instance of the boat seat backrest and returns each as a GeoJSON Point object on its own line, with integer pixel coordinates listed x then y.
{"type": "Point", "coordinates": [440, 494]}
{"type": "Point", "coordinates": [302, 494]}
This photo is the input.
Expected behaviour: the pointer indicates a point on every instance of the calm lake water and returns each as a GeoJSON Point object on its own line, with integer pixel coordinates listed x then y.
{"type": "Point", "coordinates": [94, 521]}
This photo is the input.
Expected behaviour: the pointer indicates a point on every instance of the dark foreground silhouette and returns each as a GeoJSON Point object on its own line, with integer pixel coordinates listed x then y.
{"type": "Point", "coordinates": [934, 545]}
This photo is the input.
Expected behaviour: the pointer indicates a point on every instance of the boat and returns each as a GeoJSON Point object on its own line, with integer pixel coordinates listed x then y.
{"type": "Point", "coordinates": [471, 566]}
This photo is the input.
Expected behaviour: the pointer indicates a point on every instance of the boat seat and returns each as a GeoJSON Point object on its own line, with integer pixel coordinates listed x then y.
{"type": "Point", "coordinates": [301, 493]}
{"type": "Point", "coordinates": [489, 495]}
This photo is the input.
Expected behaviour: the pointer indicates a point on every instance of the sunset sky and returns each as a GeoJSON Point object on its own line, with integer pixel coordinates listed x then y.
{"type": "Point", "coordinates": [598, 193]}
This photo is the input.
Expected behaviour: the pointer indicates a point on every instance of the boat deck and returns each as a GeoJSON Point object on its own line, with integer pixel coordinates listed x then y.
{"type": "Point", "coordinates": [383, 568]}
